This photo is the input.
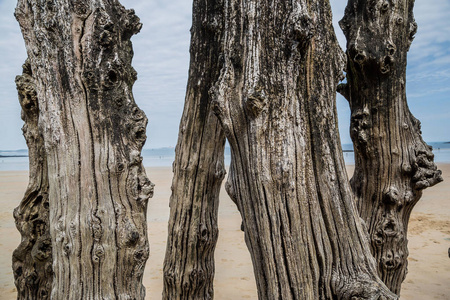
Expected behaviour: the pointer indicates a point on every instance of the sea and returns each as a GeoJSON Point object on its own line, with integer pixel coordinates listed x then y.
{"type": "Point", "coordinates": [17, 160]}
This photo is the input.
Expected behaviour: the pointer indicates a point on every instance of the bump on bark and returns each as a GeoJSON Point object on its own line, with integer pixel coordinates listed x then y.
{"type": "Point", "coordinates": [256, 102]}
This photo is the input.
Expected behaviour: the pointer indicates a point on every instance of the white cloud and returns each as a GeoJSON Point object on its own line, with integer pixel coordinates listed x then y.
{"type": "Point", "coordinates": [162, 61]}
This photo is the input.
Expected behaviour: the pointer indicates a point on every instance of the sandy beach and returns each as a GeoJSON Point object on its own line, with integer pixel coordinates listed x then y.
{"type": "Point", "coordinates": [429, 241]}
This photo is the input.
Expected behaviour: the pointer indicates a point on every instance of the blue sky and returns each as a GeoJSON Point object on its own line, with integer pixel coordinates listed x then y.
{"type": "Point", "coordinates": [162, 60]}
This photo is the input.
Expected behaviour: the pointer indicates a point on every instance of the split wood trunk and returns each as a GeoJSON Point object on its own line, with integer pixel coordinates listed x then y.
{"type": "Point", "coordinates": [92, 134]}
{"type": "Point", "coordinates": [392, 162]}
{"type": "Point", "coordinates": [275, 100]}
{"type": "Point", "coordinates": [198, 170]}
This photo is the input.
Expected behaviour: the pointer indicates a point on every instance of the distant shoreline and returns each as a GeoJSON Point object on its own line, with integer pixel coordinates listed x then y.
{"type": "Point", "coordinates": [5, 156]}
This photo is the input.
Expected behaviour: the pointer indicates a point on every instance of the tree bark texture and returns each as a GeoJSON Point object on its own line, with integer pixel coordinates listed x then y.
{"type": "Point", "coordinates": [32, 260]}
{"type": "Point", "coordinates": [392, 162]}
{"type": "Point", "coordinates": [275, 99]}
{"type": "Point", "coordinates": [80, 55]}
{"type": "Point", "coordinates": [198, 169]}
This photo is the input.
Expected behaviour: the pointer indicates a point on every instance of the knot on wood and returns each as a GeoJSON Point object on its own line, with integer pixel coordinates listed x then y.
{"type": "Point", "coordinates": [140, 134]}
{"type": "Point", "coordinates": [383, 6]}
{"type": "Point", "coordinates": [406, 168]}
{"type": "Point", "coordinates": [133, 75]}
{"type": "Point", "coordinates": [389, 231]}
{"type": "Point", "coordinates": [96, 227]}
{"type": "Point", "coordinates": [386, 63]}
{"type": "Point", "coordinates": [256, 102]}
{"type": "Point", "coordinates": [27, 95]}
{"type": "Point", "coordinates": [17, 268]}
{"type": "Point", "coordinates": [90, 76]}
{"type": "Point", "coordinates": [98, 253]}
{"type": "Point", "coordinates": [390, 261]}
{"type": "Point", "coordinates": [128, 233]}
{"type": "Point", "coordinates": [360, 123]}
{"type": "Point", "coordinates": [112, 76]}
{"type": "Point", "coordinates": [391, 197]}
{"type": "Point", "coordinates": [217, 103]}
{"type": "Point", "coordinates": [132, 238]}
{"type": "Point", "coordinates": [145, 189]}
{"type": "Point", "coordinates": [203, 234]}
{"type": "Point", "coordinates": [412, 32]}
{"type": "Point", "coordinates": [389, 226]}
{"type": "Point", "coordinates": [141, 255]}
{"type": "Point", "coordinates": [119, 101]}
{"type": "Point", "coordinates": [416, 124]}
{"type": "Point", "coordinates": [118, 211]}
{"type": "Point", "coordinates": [38, 224]}
{"type": "Point", "coordinates": [60, 226]}
{"type": "Point", "coordinates": [136, 126]}
{"type": "Point", "coordinates": [73, 230]}
{"type": "Point", "coordinates": [120, 167]}
{"type": "Point", "coordinates": [219, 172]}
{"type": "Point", "coordinates": [131, 24]}
{"type": "Point", "coordinates": [81, 8]}
{"type": "Point", "coordinates": [302, 29]}
{"type": "Point", "coordinates": [105, 38]}
{"type": "Point", "coordinates": [135, 158]}
{"type": "Point", "coordinates": [42, 250]}
{"type": "Point", "coordinates": [105, 30]}
{"type": "Point", "coordinates": [425, 170]}
{"type": "Point", "coordinates": [357, 54]}
{"type": "Point", "coordinates": [67, 248]}
{"type": "Point", "coordinates": [381, 59]}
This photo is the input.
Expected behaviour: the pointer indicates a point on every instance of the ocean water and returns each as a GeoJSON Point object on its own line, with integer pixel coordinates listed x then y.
{"type": "Point", "coordinates": [441, 152]}
{"type": "Point", "coordinates": [163, 157]}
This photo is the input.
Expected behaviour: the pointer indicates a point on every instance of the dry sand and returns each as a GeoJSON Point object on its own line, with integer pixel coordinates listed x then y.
{"type": "Point", "coordinates": [429, 241]}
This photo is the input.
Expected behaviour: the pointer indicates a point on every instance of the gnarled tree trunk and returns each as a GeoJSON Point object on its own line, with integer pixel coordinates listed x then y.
{"type": "Point", "coordinates": [92, 131]}
{"type": "Point", "coordinates": [392, 162]}
{"type": "Point", "coordinates": [32, 260]}
{"type": "Point", "coordinates": [198, 169]}
{"type": "Point", "coordinates": [280, 64]}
